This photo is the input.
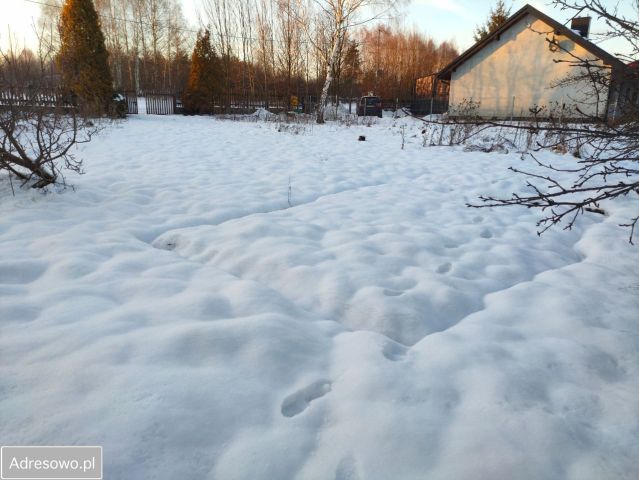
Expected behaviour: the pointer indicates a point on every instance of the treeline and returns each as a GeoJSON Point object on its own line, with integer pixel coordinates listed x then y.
{"type": "Point", "coordinates": [265, 48]}
{"type": "Point", "coordinates": [149, 41]}
{"type": "Point", "coordinates": [393, 59]}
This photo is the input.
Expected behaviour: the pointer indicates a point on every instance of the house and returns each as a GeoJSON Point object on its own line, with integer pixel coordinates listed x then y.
{"type": "Point", "coordinates": [529, 63]}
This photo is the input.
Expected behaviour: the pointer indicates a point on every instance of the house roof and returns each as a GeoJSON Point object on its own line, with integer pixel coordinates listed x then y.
{"type": "Point", "coordinates": [607, 58]}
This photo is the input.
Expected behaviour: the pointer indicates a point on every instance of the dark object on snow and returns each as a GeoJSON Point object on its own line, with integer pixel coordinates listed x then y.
{"type": "Point", "coordinates": [369, 107]}
{"type": "Point", "coordinates": [362, 138]}
{"type": "Point", "coordinates": [595, 210]}
{"type": "Point", "coordinates": [118, 105]}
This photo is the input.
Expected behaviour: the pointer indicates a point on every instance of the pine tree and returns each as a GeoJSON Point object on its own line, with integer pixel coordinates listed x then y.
{"type": "Point", "coordinates": [83, 57]}
{"type": "Point", "coordinates": [496, 18]}
{"type": "Point", "coordinates": [204, 77]}
{"type": "Point", "coordinates": [352, 68]}
{"type": "Point", "coordinates": [352, 62]}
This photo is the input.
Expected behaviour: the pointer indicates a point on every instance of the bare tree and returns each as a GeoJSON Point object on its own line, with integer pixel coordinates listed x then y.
{"type": "Point", "coordinates": [264, 30]}
{"type": "Point", "coordinates": [245, 19]}
{"type": "Point", "coordinates": [222, 17]}
{"type": "Point", "coordinates": [39, 127]}
{"type": "Point", "coordinates": [48, 25]}
{"type": "Point", "coordinates": [342, 16]}
{"type": "Point", "coordinates": [289, 39]}
{"type": "Point", "coordinates": [393, 57]}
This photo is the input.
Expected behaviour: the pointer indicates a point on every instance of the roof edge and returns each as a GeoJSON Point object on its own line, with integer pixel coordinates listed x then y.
{"type": "Point", "coordinates": [606, 57]}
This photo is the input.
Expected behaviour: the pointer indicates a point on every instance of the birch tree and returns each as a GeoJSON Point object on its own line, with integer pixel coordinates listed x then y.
{"type": "Point", "coordinates": [342, 16]}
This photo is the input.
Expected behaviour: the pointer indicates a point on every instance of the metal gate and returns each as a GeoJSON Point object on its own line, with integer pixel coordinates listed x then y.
{"type": "Point", "coordinates": [160, 104]}
{"type": "Point", "coordinates": [131, 102]}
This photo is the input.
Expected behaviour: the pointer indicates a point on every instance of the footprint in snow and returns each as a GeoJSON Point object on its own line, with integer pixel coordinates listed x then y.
{"type": "Point", "coordinates": [299, 401]}
{"type": "Point", "coordinates": [347, 469]}
{"type": "Point", "coordinates": [444, 267]}
{"type": "Point", "coordinates": [165, 244]}
{"type": "Point", "coordinates": [391, 293]}
{"type": "Point", "coordinates": [486, 233]}
{"type": "Point", "coordinates": [394, 351]}
{"type": "Point", "coordinates": [21, 272]}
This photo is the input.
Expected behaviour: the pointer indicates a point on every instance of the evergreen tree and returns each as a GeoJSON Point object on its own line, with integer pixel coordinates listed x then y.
{"type": "Point", "coordinates": [352, 67]}
{"type": "Point", "coordinates": [83, 57]}
{"type": "Point", "coordinates": [204, 78]}
{"type": "Point", "coordinates": [352, 61]}
{"type": "Point", "coordinates": [496, 18]}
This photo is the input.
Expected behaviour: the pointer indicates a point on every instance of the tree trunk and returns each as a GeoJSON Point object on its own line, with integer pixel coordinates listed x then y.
{"type": "Point", "coordinates": [329, 75]}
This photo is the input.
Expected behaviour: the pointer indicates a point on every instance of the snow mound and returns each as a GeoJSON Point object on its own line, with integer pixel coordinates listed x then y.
{"type": "Point", "coordinates": [263, 114]}
{"type": "Point", "coordinates": [216, 300]}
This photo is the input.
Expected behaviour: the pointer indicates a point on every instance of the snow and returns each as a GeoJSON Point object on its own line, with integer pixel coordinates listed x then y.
{"type": "Point", "coordinates": [219, 299]}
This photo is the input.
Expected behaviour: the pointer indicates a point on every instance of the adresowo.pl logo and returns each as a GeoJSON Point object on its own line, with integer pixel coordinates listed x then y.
{"type": "Point", "coordinates": [51, 463]}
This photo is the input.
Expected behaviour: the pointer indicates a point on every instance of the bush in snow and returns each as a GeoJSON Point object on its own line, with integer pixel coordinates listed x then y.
{"type": "Point", "coordinates": [39, 127]}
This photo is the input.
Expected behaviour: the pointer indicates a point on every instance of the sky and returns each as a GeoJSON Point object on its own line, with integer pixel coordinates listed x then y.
{"type": "Point", "coordinates": [441, 19]}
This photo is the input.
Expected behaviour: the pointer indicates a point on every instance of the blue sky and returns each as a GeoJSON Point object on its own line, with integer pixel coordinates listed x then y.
{"type": "Point", "coordinates": [441, 19]}
{"type": "Point", "coordinates": [457, 19]}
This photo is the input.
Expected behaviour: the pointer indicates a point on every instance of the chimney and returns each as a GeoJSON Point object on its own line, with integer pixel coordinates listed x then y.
{"type": "Point", "coordinates": [581, 25]}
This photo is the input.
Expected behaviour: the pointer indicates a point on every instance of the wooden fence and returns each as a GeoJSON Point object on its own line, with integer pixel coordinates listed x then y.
{"type": "Point", "coordinates": [160, 103]}
{"type": "Point", "coordinates": [131, 102]}
{"type": "Point", "coordinates": [240, 104]}
{"type": "Point", "coordinates": [31, 99]}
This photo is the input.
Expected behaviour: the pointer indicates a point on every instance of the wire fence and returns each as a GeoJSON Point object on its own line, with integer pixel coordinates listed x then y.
{"type": "Point", "coordinates": [522, 107]}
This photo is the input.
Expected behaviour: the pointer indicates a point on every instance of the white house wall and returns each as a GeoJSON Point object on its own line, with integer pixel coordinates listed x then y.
{"type": "Point", "coordinates": [511, 75]}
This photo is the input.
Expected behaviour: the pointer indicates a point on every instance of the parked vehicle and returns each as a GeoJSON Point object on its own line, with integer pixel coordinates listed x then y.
{"type": "Point", "coordinates": [369, 106]}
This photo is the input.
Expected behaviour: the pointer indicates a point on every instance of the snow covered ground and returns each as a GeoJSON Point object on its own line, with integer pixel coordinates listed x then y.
{"type": "Point", "coordinates": [223, 300]}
